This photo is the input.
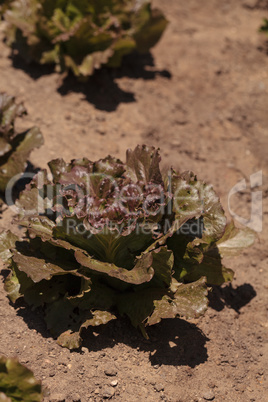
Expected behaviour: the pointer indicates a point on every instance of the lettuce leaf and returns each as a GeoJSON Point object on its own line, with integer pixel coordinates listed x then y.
{"type": "Point", "coordinates": [15, 147]}
{"type": "Point", "coordinates": [17, 383]}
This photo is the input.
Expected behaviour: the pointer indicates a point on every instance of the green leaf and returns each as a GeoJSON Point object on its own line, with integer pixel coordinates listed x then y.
{"type": "Point", "coordinates": [17, 383]}
{"type": "Point", "coordinates": [93, 61]}
{"type": "Point", "coordinates": [232, 243]}
{"type": "Point", "coordinates": [193, 242]}
{"type": "Point", "coordinates": [99, 318]}
{"type": "Point", "coordinates": [235, 240]}
{"type": "Point", "coordinates": [142, 165]}
{"type": "Point", "coordinates": [138, 305]}
{"type": "Point", "coordinates": [70, 340]}
{"type": "Point", "coordinates": [121, 48]}
{"type": "Point", "coordinates": [211, 267]}
{"type": "Point", "coordinates": [9, 111]}
{"type": "Point", "coordinates": [7, 242]}
{"type": "Point", "coordinates": [12, 286]}
{"type": "Point", "coordinates": [40, 226]}
{"type": "Point", "coordinates": [162, 264]}
{"type": "Point", "coordinates": [5, 147]}
{"type": "Point", "coordinates": [140, 273]}
{"type": "Point", "coordinates": [195, 199]}
{"type": "Point", "coordinates": [16, 162]}
{"type": "Point", "coordinates": [15, 147]}
{"type": "Point", "coordinates": [264, 27]}
{"type": "Point", "coordinates": [37, 268]}
{"type": "Point", "coordinates": [150, 27]}
{"type": "Point", "coordinates": [189, 301]}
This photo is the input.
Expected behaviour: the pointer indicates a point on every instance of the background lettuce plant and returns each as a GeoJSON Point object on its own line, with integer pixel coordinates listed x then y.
{"type": "Point", "coordinates": [17, 383]}
{"type": "Point", "coordinates": [15, 147]}
{"type": "Point", "coordinates": [82, 35]}
{"type": "Point", "coordinates": [264, 27]}
{"type": "Point", "coordinates": [4, 4]}
{"type": "Point", "coordinates": [108, 238]}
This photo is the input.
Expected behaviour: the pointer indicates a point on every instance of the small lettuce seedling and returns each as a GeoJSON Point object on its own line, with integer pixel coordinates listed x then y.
{"type": "Point", "coordinates": [15, 147]}
{"type": "Point", "coordinates": [17, 383]}
{"type": "Point", "coordinates": [80, 35]}
{"type": "Point", "coordinates": [108, 238]}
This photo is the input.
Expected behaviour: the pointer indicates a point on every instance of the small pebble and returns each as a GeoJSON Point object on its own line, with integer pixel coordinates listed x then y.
{"type": "Point", "coordinates": [114, 383]}
{"type": "Point", "coordinates": [101, 131]}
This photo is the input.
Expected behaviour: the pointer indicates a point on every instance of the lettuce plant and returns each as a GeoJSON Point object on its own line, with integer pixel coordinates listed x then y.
{"type": "Point", "coordinates": [4, 4]}
{"type": "Point", "coordinates": [81, 35]}
{"type": "Point", "coordinates": [108, 238]}
{"type": "Point", "coordinates": [264, 27]}
{"type": "Point", "coordinates": [15, 147]}
{"type": "Point", "coordinates": [17, 383]}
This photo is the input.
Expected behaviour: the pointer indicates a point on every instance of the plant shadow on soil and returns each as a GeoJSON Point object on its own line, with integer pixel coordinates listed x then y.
{"type": "Point", "coordinates": [101, 89]}
{"type": "Point", "coordinates": [172, 342]}
{"type": "Point", "coordinates": [34, 70]}
{"type": "Point", "coordinates": [234, 298]}
{"type": "Point", "coordinates": [168, 344]}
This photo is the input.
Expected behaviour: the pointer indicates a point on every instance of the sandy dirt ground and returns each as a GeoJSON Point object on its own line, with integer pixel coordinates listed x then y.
{"type": "Point", "coordinates": [202, 97]}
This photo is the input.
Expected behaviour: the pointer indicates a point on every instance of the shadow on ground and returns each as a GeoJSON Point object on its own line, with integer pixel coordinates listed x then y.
{"type": "Point", "coordinates": [234, 298]}
{"type": "Point", "coordinates": [34, 70]}
{"type": "Point", "coordinates": [101, 89]}
{"type": "Point", "coordinates": [172, 342]}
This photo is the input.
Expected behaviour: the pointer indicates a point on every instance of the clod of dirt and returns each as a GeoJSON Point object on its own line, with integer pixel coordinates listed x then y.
{"type": "Point", "coordinates": [107, 392]}
{"type": "Point", "coordinates": [159, 387]}
{"type": "Point", "coordinates": [57, 398]}
{"type": "Point", "coordinates": [208, 395]}
{"type": "Point", "coordinates": [251, 4]}
{"type": "Point", "coordinates": [76, 398]}
{"type": "Point", "coordinates": [110, 371]}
